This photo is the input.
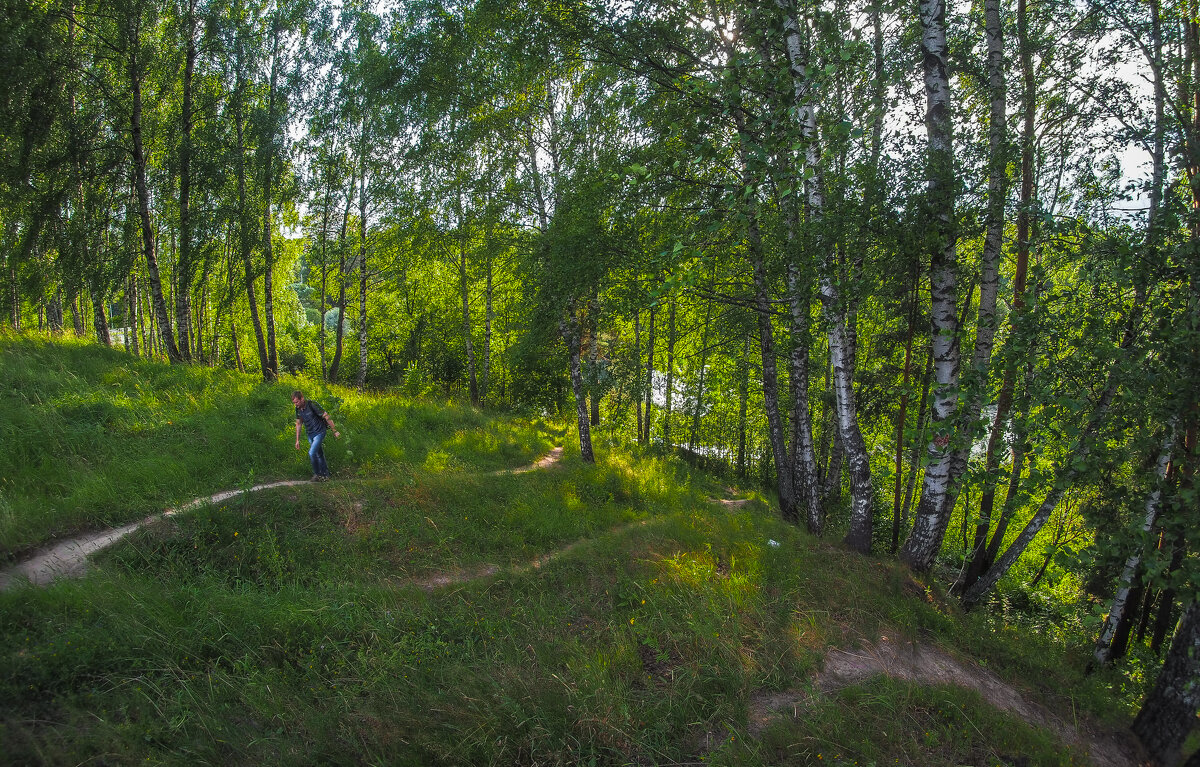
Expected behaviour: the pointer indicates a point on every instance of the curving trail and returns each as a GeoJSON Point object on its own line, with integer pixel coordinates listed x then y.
{"type": "Point", "coordinates": [927, 665]}
{"type": "Point", "coordinates": [435, 581]}
{"type": "Point", "coordinates": [547, 460]}
{"type": "Point", "coordinates": [68, 558]}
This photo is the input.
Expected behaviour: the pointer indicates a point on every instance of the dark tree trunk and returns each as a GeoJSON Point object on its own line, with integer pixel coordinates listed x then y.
{"type": "Point", "coordinates": [472, 379]}
{"type": "Point", "coordinates": [100, 321]}
{"type": "Point", "coordinates": [1065, 475]}
{"type": "Point", "coordinates": [649, 379]}
{"type": "Point", "coordinates": [362, 259]}
{"type": "Point", "coordinates": [670, 374]}
{"type": "Point", "coordinates": [901, 421]}
{"type": "Point", "coordinates": [268, 183]}
{"type": "Point", "coordinates": [1168, 714]}
{"type": "Point", "coordinates": [743, 401]}
{"type": "Point", "coordinates": [569, 327]}
{"type": "Point", "coordinates": [637, 356]}
{"type": "Point", "coordinates": [143, 194]}
{"type": "Point", "coordinates": [593, 317]}
{"type": "Point", "coordinates": [183, 269]}
{"type": "Point", "coordinates": [244, 225]}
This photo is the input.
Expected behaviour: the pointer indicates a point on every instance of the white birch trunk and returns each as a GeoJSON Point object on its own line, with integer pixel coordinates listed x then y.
{"type": "Point", "coordinates": [841, 353]}
{"type": "Point", "coordinates": [933, 514]}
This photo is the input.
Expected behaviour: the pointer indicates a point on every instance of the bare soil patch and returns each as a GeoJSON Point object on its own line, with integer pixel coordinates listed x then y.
{"type": "Point", "coordinates": [547, 460]}
{"type": "Point", "coordinates": [923, 664]}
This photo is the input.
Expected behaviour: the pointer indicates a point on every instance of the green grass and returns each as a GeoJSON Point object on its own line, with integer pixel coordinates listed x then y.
{"type": "Point", "coordinates": [91, 437]}
{"type": "Point", "coordinates": [291, 626]}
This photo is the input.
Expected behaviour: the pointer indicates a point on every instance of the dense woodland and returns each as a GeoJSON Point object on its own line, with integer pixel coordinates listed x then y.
{"type": "Point", "coordinates": [927, 271]}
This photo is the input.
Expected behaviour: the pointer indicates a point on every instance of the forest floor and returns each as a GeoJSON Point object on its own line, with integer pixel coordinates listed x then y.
{"type": "Point", "coordinates": [433, 604]}
{"type": "Point", "coordinates": [906, 660]}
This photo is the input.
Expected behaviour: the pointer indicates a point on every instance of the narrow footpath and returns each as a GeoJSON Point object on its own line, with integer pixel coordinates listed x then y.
{"type": "Point", "coordinates": [68, 558]}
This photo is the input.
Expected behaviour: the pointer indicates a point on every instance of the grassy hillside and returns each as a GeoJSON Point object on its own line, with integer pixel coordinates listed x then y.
{"type": "Point", "coordinates": [91, 437]}
{"type": "Point", "coordinates": [424, 609]}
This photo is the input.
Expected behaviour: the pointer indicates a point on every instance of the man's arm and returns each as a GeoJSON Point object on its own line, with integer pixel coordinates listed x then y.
{"type": "Point", "coordinates": [297, 433]}
{"type": "Point", "coordinates": [329, 421]}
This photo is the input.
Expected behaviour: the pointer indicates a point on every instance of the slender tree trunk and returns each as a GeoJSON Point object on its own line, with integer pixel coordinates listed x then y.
{"type": "Point", "coordinates": [1104, 652]}
{"type": "Point", "coordinates": [143, 195]}
{"type": "Point", "coordinates": [976, 562]}
{"type": "Point", "coordinates": [975, 382]}
{"type": "Point", "coordinates": [244, 240]}
{"type": "Point", "coordinates": [914, 459]}
{"type": "Point", "coordinates": [901, 421]}
{"type": "Point", "coordinates": [340, 332]}
{"type": "Point", "coordinates": [100, 321]}
{"type": "Point", "coordinates": [1166, 606]}
{"type": "Point", "coordinates": [14, 296]}
{"type": "Point", "coordinates": [637, 356]}
{"type": "Point", "coordinates": [183, 269]}
{"type": "Point", "coordinates": [703, 364]}
{"type": "Point", "coordinates": [1066, 474]}
{"type": "Point", "coordinates": [933, 513]}
{"type": "Point", "coordinates": [763, 311]}
{"type": "Point", "coordinates": [649, 379]}
{"type": "Point", "coordinates": [489, 316]}
{"type": "Point", "coordinates": [841, 335]}
{"type": "Point", "coordinates": [803, 459]}
{"type": "Point", "coordinates": [743, 401]}
{"type": "Point", "coordinates": [569, 327]}
{"type": "Point", "coordinates": [770, 378]}
{"type": "Point", "coordinates": [268, 183]}
{"type": "Point", "coordinates": [324, 276]}
{"type": "Point", "coordinates": [132, 309]}
{"type": "Point", "coordinates": [670, 374]}
{"type": "Point", "coordinates": [362, 259]}
{"type": "Point", "coordinates": [593, 318]}
{"type": "Point", "coordinates": [466, 322]}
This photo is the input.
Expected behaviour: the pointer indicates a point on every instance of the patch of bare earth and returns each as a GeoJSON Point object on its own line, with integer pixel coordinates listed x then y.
{"type": "Point", "coordinates": [922, 664]}
{"type": "Point", "coordinates": [547, 460]}
{"type": "Point", "coordinates": [435, 581]}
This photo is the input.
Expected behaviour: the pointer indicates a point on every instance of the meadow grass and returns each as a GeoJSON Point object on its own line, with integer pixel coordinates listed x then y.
{"type": "Point", "coordinates": [91, 437]}
{"type": "Point", "coordinates": [606, 614]}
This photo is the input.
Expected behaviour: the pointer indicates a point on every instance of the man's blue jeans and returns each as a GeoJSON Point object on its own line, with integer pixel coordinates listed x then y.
{"type": "Point", "coordinates": [317, 455]}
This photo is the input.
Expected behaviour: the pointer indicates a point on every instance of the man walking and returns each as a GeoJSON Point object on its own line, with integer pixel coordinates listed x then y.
{"type": "Point", "coordinates": [316, 424]}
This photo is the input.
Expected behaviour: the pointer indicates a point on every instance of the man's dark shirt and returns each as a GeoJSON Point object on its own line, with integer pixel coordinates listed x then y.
{"type": "Point", "coordinates": [313, 418]}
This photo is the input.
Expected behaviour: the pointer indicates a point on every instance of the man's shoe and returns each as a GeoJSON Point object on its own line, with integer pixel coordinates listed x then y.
{"type": "Point", "coordinates": [315, 478]}
{"type": "Point", "coordinates": [322, 477]}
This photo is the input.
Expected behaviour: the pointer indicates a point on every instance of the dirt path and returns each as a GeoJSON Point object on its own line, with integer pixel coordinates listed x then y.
{"type": "Point", "coordinates": [68, 558]}
{"type": "Point", "coordinates": [547, 460]}
{"type": "Point", "coordinates": [921, 664]}
{"type": "Point", "coordinates": [436, 581]}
